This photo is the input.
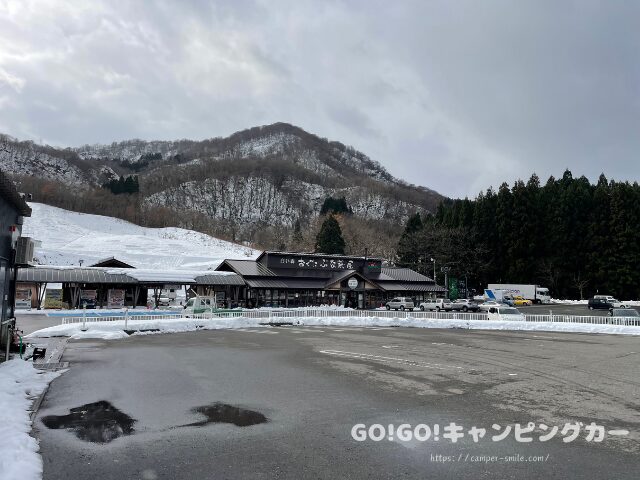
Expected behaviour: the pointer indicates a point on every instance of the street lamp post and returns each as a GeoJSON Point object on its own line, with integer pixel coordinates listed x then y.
{"type": "Point", "coordinates": [434, 269]}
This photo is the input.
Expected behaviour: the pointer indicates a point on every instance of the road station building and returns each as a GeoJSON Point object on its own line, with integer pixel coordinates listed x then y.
{"type": "Point", "coordinates": [286, 279]}
{"type": "Point", "coordinates": [274, 279]}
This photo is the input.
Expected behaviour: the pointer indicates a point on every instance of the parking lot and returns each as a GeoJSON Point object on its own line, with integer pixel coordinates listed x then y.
{"type": "Point", "coordinates": [295, 393]}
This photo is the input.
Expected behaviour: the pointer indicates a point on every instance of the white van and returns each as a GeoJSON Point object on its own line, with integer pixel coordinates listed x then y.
{"type": "Point", "coordinates": [505, 313]}
{"type": "Point", "coordinates": [198, 305]}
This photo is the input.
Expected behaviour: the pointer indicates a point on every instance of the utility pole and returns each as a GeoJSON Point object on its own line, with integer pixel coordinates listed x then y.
{"type": "Point", "coordinates": [445, 270]}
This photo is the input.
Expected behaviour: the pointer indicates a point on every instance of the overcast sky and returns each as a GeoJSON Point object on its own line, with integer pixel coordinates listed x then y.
{"type": "Point", "coordinates": [452, 95]}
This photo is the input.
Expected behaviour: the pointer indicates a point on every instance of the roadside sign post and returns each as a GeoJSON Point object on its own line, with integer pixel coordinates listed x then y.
{"type": "Point", "coordinates": [84, 317]}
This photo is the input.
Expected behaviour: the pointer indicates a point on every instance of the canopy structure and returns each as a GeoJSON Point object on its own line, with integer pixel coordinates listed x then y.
{"type": "Point", "coordinates": [134, 282]}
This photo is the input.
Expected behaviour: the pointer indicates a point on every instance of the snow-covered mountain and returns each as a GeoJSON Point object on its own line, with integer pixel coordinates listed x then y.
{"type": "Point", "coordinates": [68, 237]}
{"type": "Point", "coordinates": [64, 166]}
{"type": "Point", "coordinates": [275, 175]}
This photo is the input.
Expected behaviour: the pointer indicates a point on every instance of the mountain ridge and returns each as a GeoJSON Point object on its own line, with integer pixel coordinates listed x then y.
{"type": "Point", "coordinates": [271, 176]}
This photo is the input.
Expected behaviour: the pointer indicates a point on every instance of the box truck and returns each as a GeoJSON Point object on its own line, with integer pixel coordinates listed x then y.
{"type": "Point", "coordinates": [535, 293]}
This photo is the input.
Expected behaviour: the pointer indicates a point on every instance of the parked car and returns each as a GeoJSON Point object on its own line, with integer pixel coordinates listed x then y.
{"type": "Point", "coordinates": [625, 316]}
{"type": "Point", "coordinates": [164, 301]}
{"type": "Point", "coordinates": [467, 305]}
{"type": "Point", "coordinates": [617, 303]}
{"type": "Point", "coordinates": [505, 313]}
{"type": "Point", "coordinates": [606, 297]}
{"type": "Point", "coordinates": [88, 302]}
{"type": "Point", "coordinates": [612, 301]}
{"type": "Point", "coordinates": [443, 304]}
{"type": "Point", "coordinates": [428, 305]}
{"type": "Point", "coordinates": [604, 303]}
{"type": "Point", "coordinates": [400, 303]}
{"type": "Point", "coordinates": [520, 301]}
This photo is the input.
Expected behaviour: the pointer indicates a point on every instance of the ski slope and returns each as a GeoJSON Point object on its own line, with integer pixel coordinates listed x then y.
{"type": "Point", "coordinates": [68, 237]}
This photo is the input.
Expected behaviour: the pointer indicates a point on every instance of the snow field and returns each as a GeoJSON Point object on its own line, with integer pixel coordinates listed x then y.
{"type": "Point", "coordinates": [68, 237]}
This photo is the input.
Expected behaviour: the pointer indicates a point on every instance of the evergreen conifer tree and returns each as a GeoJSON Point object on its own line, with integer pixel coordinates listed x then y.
{"type": "Point", "coordinates": [329, 239]}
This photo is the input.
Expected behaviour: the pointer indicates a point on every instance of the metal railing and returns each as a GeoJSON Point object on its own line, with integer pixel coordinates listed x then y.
{"type": "Point", "coordinates": [290, 314]}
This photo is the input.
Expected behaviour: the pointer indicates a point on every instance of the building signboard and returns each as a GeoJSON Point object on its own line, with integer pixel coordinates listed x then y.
{"type": "Point", "coordinates": [23, 298]}
{"type": "Point", "coordinates": [115, 298]}
{"type": "Point", "coordinates": [453, 288]}
{"type": "Point", "coordinates": [309, 262]}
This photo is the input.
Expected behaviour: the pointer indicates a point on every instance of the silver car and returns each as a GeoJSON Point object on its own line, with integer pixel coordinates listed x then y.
{"type": "Point", "coordinates": [428, 305]}
{"type": "Point", "coordinates": [400, 303]}
{"type": "Point", "coordinates": [444, 304]}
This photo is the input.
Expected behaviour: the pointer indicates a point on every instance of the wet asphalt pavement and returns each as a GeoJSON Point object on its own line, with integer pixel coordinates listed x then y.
{"type": "Point", "coordinates": [175, 406]}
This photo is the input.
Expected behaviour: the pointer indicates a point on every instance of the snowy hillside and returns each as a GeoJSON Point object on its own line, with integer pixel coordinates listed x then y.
{"type": "Point", "coordinates": [68, 237]}
{"type": "Point", "coordinates": [26, 158]}
{"type": "Point", "coordinates": [252, 186]}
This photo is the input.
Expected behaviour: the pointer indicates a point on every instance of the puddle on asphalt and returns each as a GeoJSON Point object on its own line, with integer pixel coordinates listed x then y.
{"type": "Point", "coordinates": [98, 422]}
{"type": "Point", "coordinates": [223, 413]}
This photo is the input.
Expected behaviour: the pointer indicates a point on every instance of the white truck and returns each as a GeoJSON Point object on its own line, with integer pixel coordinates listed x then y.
{"type": "Point", "coordinates": [505, 313]}
{"type": "Point", "coordinates": [199, 305]}
{"type": "Point", "coordinates": [535, 293]}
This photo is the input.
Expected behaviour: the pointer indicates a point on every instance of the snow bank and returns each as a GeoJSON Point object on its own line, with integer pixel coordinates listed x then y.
{"type": "Point", "coordinates": [20, 383]}
{"type": "Point", "coordinates": [568, 302]}
{"type": "Point", "coordinates": [115, 329]}
{"type": "Point", "coordinates": [585, 302]}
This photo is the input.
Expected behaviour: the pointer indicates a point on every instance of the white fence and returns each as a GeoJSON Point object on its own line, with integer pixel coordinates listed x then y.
{"type": "Point", "coordinates": [283, 315]}
{"type": "Point", "coordinates": [113, 318]}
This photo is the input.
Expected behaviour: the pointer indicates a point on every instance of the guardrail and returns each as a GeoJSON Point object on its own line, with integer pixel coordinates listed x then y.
{"type": "Point", "coordinates": [283, 314]}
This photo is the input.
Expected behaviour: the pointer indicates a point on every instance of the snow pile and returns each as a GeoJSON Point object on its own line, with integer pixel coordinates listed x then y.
{"type": "Point", "coordinates": [20, 383]}
{"type": "Point", "coordinates": [68, 237]}
{"type": "Point", "coordinates": [568, 302]}
{"type": "Point", "coordinates": [585, 302]}
{"type": "Point", "coordinates": [319, 307]}
{"type": "Point", "coordinates": [115, 329]}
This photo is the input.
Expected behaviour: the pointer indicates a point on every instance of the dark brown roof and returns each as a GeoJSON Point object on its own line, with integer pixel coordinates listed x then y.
{"type": "Point", "coordinates": [111, 262]}
{"type": "Point", "coordinates": [410, 287]}
{"type": "Point", "coordinates": [290, 283]}
{"type": "Point", "coordinates": [213, 279]}
{"type": "Point", "coordinates": [98, 275]}
{"type": "Point", "coordinates": [246, 268]}
{"type": "Point", "coordinates": [405, 274]}
{"type": "Point", "coordinates": [71, 275]}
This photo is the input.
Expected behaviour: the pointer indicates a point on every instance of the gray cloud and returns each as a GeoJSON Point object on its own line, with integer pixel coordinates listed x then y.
{"type": "Point", "coordinates": [456, 96]}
